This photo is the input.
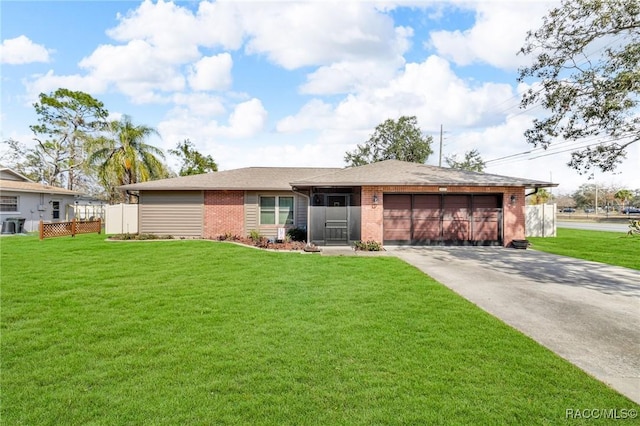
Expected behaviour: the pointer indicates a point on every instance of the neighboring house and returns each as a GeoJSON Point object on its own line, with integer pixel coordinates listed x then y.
{"type": "Point", "coordinates": [392, 202]}
{"type": "Point", "coordinates": [22, 198]}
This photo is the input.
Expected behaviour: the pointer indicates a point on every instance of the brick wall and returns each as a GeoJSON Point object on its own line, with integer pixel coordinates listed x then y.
{"type": "Point", "coordinates": [514, 215]}
{"type": "Point", "coordinates": [223, 213]}
{"type": "Point", "coordinates": [372, 214]}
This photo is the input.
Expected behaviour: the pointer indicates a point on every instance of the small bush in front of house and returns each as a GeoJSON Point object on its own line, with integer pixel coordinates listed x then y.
{"type": "Point", "coordinates": [255, 236]}
{"type": "Point", "coordinates": [368, 245]}
{"type": "Point", "coordinates": [297, 234]}
{"type": "Point", "coordinates": [634, 227]}
{"type": "Point", "coordinates": [228, 236]}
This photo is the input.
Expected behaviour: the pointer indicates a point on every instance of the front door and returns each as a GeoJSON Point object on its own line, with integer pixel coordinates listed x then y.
{"type": "Point", "coordinates": [336, 227]}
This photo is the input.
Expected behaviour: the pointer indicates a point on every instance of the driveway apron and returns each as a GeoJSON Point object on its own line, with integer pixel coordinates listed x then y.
{"type": "Point", "coordinates": [586, 312]}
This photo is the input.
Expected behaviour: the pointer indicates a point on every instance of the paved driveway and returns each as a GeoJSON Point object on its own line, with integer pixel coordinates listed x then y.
{"type": "Point", "coordinates": [586, 312]}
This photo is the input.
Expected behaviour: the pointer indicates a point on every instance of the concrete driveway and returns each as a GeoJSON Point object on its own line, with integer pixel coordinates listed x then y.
{"type": "Point", "coordinates": [586, 312]}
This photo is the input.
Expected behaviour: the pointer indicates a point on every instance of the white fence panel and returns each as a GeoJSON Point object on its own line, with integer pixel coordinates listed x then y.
{"type": "Point", "coordinates": [541, 220]}
{"type": "Point", "coordinates": [121, 219]}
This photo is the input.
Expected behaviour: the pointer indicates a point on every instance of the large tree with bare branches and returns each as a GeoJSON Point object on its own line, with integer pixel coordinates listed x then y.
{"type": "Point", "coordinates": [587, 68]}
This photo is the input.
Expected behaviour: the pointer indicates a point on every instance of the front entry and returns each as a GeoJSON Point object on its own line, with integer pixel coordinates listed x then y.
{"type": "Point", "coordinates": [336, 227]}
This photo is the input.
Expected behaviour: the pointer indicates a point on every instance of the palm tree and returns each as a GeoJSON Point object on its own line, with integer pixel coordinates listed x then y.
{"type": "Point", "coordinates": [125, 158]}
{"type": "Point", "coordinates": [540, 197]}
{"type": "Point", "coordinates": [622, 196]}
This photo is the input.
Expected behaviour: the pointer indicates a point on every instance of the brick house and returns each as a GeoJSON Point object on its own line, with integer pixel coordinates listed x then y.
{"type": "Point", "coordinates": [392, 202]}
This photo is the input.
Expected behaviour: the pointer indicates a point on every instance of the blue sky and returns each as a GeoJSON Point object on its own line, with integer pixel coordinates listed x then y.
{"type": "Point", "coordinates": [289, 83]}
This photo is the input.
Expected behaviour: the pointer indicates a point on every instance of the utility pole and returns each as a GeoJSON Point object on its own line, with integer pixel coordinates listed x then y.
{"type": "Point", "coordinates": [440, 161]}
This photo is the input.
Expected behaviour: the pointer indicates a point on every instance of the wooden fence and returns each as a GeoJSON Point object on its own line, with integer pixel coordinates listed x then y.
{"type": "Point", "coordinates": [61, 229]}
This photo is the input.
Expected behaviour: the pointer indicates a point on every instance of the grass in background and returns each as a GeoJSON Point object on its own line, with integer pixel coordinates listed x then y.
{"type": "Point", "coordinates": [200, 332]}
{"type": "Point", "coordinates": [613, 248]}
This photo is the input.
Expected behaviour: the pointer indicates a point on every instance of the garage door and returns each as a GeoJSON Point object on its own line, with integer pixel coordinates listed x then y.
{"type": "Point", "coordinates": [442, 219]}
{"type": "Point", "coordinates": [177, 213]}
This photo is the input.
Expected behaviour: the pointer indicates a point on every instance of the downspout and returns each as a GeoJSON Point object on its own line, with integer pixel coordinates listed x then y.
{"type": "Point", "coordinates": [308, 197]}
{"type": "Point", "coordinates": [532, 193]}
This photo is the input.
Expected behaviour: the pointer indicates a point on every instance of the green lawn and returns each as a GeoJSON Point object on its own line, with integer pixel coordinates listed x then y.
{"type": "Point", "coordinates": [614, 248]}
{"type": "Point", "coordinates": [200, 332]}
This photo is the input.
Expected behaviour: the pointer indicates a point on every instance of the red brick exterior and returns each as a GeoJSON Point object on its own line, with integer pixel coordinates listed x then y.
{"type": "Point", "coordinates": [223, 213]}
{"type": "Point", "coordinates": [372, 213]}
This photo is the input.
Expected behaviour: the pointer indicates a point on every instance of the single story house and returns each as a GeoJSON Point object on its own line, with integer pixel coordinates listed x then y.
{"type": "Point", "coordinates": [25, 202]}
{"type": "Point", "coordinates": [393, 202]}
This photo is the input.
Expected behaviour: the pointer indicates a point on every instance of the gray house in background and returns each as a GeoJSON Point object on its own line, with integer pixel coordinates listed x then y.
{"type": "Point", "coordinates": [24, 203]}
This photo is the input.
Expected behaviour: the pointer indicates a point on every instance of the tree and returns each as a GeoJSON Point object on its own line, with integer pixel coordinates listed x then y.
{"type": "Point", "coordinates": [472, 161]}
{"type": "Point", "coordinates": [125, 158]}
{"type": "Point", "coordinates": [587, 56]}
{"type": "Point", "coordinates": [193, 162]}
{"type": "Point", "coordinates": [66, 121]}
{"type": "Point", "coordinates": [25, 161]}
{"type": "Point", "coordinates": [399, 140]}
{"type": "Point", "coordinates": [541, 196]}
{"type": "Point", "coordinates": [622, 196]}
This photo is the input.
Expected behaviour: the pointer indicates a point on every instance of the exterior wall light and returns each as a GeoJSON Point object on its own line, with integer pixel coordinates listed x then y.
{"type": "Point", "coordinates": [375, 199]}
{"type": "Point", "coordinates": [513, 198]}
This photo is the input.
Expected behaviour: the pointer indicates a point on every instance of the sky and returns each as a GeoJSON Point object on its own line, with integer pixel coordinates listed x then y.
{"type": "Point", "coordinates": [275, 83]}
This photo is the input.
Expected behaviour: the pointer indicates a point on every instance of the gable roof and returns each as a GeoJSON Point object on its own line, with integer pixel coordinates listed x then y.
{"type": "Point", "coordinates": [248, 178]}
{"type": "Point", "coordinates": [388, 172]}
{"type": "Point", "coordinates": [18, 186]}
{"type": "Point", "coordinates": [395, 172]}
{"type": "Point", "coordinates": [9, 174]}
{"type": "Point", "coordinates": [12, 181]}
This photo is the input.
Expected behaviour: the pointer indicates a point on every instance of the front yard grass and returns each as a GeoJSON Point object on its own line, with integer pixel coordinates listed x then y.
{"type": "Point", "coordinates": [201, 332]}
{"type": "Point", "coordinates": [613, 248]}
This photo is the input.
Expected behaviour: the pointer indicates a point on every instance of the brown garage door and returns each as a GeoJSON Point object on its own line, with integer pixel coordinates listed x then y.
{"type": "Point", "coordinates": [442, 219]}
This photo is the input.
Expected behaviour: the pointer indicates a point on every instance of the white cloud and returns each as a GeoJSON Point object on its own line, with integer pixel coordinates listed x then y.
{"type": "Point", "coordinates": [247, 120]}
{"type": "Point", "coordinates": [21, 50]}
{"type": "Point", "coordinates": [176, 29]}
{"type": "Point", "coordinates": [135, 69]}
{"type": "Point", "coordinates": [429, 90]}
{"type": "Point", "coordinates": [50, 82]}
{"type": "Point", "coordinates": [498, 34]}
{"type": "Point", "coordinates": [296, 34]}
{"type": "Point", "coordinates": [200, 104]}
{"type": "Point", "coordinates": [211, 73]}
{"type": "Point", "coordinates": [345, 77]}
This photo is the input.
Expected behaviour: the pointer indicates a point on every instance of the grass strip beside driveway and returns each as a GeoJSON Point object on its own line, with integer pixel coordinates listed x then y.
{"type": "Point", "coordinates": [200, 332]}
{"type": "Point", "coordinates": [612, 248]}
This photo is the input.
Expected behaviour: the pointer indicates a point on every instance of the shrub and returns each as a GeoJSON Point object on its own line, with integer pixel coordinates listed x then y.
{"type": "Point", "coordinates": [634, 227]}
{"type": "Point", "coordinates": [368, 245]}
{"type": "Point", "coordinates": [255, 236]}
{"type": "Point", "coordinates": [297, 234]}
{"type": "Point", "coordinates": [228, 236]}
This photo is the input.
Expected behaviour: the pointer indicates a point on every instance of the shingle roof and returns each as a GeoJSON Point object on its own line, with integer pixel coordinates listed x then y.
{"type": "Point", "coordinates": [248, 178]}
{"type": "Point", "coordinates": [395, 172]}
{"type": "Point", "coordinates": [17, 186]}
{"type": "Point", "coordinates": [389, 172]}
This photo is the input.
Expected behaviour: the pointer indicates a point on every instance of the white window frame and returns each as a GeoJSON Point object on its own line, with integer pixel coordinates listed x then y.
{"type": "Point", "coordinates": [277, 210]}
{"type": "Point", "coordinates": [3, 203]}
{"type": "Point", "coordinates": [53, 210]}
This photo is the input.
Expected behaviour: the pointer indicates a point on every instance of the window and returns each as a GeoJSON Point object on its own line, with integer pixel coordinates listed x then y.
{"type": "Point", "coordinates": [276, 210]}
{"type": "Point", "coordinates": [55, 205]}
{"type": "Point", "coordinates": [8, 204]}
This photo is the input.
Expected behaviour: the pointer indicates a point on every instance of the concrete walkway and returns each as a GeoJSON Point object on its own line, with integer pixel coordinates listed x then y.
{"type": "Point", "coordinates": [586, 312]}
